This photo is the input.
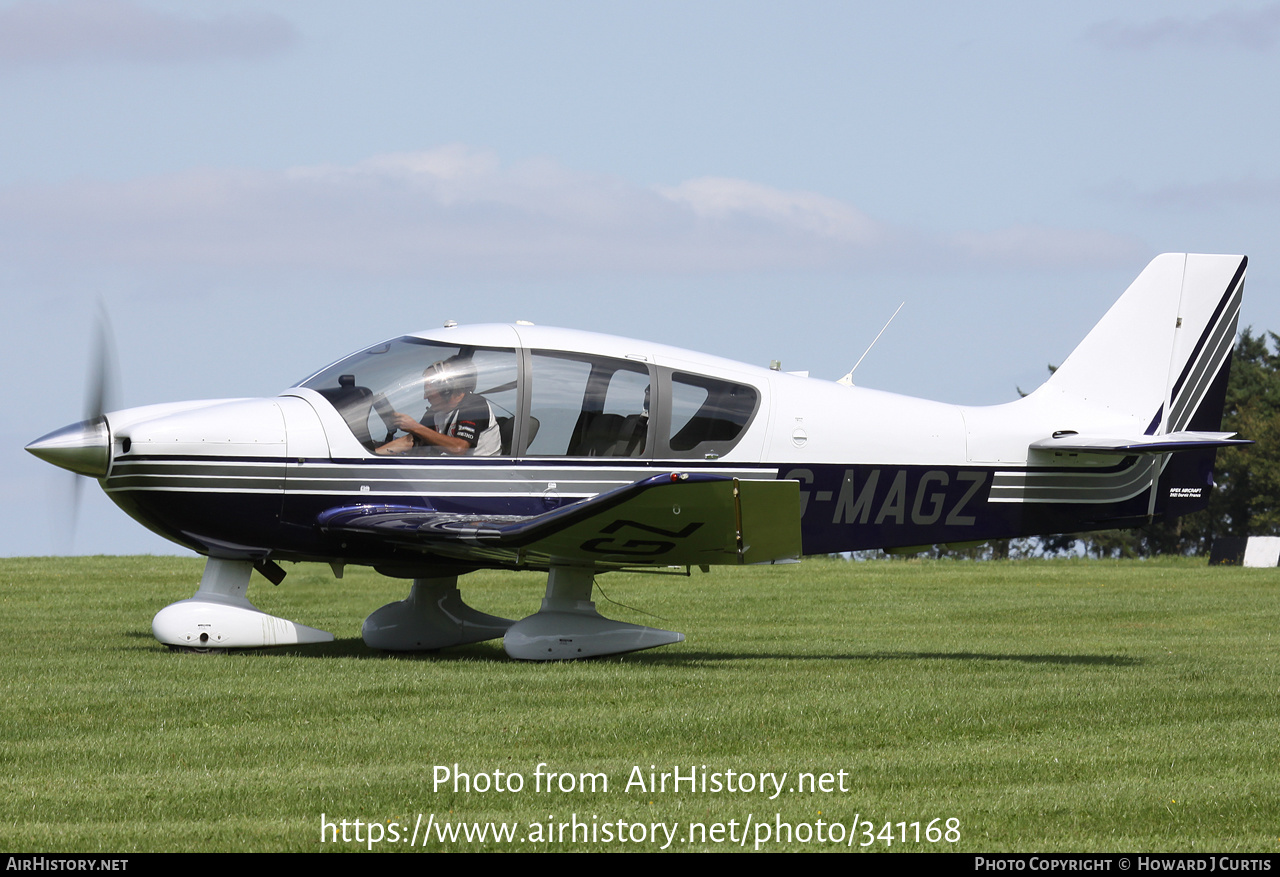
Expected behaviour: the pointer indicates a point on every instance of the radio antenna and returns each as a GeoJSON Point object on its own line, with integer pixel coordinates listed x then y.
{"type": "Point", "coordinates": [847, 380]}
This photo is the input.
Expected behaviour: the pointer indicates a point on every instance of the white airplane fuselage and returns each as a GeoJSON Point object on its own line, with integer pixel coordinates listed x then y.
{"type": "Point", "coordinates": [1123, 433]}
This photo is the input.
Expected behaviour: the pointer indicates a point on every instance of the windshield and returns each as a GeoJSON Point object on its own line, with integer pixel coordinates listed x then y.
{"type": "Point", "coordinates": [370, 387]}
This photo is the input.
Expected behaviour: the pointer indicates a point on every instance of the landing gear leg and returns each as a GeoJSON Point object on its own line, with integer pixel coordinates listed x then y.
{"type": "Point", "coordinates": [568, 626]}
{"type": "Point", "coordinates": [432, 617]}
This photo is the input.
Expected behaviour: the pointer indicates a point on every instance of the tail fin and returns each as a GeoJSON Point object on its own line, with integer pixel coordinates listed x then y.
{"type": "Point", "coordinates": [1147, 386]}
{"type": "Point", "coordinates": [1157, 362]}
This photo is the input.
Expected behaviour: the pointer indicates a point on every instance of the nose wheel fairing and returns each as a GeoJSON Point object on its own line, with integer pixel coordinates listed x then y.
{"type": "Point", "coordinates": [220, 616]}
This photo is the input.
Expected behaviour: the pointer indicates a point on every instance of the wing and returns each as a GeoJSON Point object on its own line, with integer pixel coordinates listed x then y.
{"type": "Point", "coordinates": [670, 519]}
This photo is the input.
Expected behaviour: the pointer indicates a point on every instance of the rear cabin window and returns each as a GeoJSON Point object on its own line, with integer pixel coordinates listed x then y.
{"type": "Point", "coordinates": [708, 415]}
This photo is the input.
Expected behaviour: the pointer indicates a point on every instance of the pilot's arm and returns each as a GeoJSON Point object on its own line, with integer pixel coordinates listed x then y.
{"type": "Point", "coordinates": [419, 435]}
{"type": "Point", "coordinates": [395, 446]}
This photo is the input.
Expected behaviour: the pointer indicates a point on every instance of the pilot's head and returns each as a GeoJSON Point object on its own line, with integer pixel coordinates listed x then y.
{"type": "Point", "coordinates": [444, 383]}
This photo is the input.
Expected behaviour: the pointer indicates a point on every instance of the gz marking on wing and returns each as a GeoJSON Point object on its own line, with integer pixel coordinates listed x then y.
{"type": "Point", "coordinates": [638, 547]}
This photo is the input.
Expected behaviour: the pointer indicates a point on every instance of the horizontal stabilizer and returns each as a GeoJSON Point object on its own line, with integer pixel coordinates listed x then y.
{"type": "Point", "coordinates": [1143, 444]}
{"type": "Point", "coordinates": [670, 519]}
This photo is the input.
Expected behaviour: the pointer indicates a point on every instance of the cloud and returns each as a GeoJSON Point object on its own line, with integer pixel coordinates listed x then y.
{"type": "Point", "coordinates": [721, 199]}
{"type": "Point", "coordinates": [1254, 29]}
{"type": "Point", "coordinates": [451, 208]}
{"type": "Point", "coordinates": [1034, 246]}
{"type": "Point", "coordinates": [1247, 191]}
{"type": "Point", "coordinates": [94, 31]}
{"type": "Point", "coordinates": [456, 208]}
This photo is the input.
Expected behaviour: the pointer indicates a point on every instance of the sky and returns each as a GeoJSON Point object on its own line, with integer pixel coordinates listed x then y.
{"type": "Point", "coordinates": [251, 190]}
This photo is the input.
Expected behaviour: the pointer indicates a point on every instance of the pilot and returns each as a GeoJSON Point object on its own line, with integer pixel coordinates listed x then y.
{"type": "Point", "coordinates": [457, 422]}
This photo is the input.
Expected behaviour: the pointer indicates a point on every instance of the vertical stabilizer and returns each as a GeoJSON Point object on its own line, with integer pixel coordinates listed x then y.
{"type": "Point", "coordinates": [1154, 360]}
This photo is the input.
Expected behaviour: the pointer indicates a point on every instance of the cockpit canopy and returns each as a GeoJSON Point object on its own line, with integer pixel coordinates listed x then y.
{"type": "Point", "coordinates": [547, 403]}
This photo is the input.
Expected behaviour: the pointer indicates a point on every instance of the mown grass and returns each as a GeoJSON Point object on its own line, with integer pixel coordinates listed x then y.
{"type": "Point", "coordinates": [1048, 705]}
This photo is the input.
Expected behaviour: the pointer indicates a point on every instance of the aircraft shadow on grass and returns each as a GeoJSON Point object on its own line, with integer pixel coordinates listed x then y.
{"type": "Point", "coordinates": [354, 647]}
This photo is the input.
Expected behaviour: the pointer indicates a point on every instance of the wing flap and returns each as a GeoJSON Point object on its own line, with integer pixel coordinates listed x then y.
{"type": "Point", "coordinates": [670, 519]}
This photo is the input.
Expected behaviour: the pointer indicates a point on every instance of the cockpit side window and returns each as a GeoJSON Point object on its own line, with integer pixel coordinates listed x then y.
{"type": "Point", "coordinates": [588, 406]}
{"type": "Point", "coordinates": [370, 387]}
{"type": "Point", "coordinates": [707, 416]}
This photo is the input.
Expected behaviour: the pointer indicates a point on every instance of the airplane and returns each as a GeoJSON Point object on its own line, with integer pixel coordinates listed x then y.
{"type": "Point", "coordinates": [577, 453]}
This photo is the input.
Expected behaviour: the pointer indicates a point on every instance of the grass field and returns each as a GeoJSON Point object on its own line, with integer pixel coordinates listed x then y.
{"type": "Point", "coordinates": [1045, 705]}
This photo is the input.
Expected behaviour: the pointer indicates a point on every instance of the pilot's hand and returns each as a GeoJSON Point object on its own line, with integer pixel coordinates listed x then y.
{"type": "Point", "coordinates": [402, 445]}
{"type": "Point", "coordinates": [404, 422]}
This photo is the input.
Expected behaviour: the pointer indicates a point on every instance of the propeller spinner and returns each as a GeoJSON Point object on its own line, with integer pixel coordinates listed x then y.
{"type": "Point", "coordinates": [85, 447]}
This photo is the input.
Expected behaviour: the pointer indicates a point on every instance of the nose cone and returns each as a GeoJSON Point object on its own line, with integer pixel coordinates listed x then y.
{"type": "Point", "coordinates": [83, 447]}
